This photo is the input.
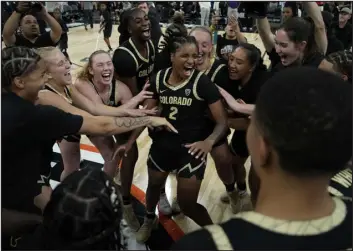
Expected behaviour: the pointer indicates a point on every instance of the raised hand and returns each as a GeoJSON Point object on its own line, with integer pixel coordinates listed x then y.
{"type": "Point", "coordinates": [144, 94]}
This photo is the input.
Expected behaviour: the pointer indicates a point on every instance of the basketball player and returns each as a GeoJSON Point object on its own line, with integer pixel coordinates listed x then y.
{"type": "Point", "coordinates": [184, 95]}
{"type": "Point", "coordinates": [59, 89]}
{"type": "Point", "coordinates": [221, 154]}
{"type": "Point", "coordinates": [27, 128]}
{"type": "Point", "coordinates": [96, 82]}
{"type": "Point", "coordinates": [295, 158]}
{"type": "Point", "coordinates": [106, 25]}
{"type": "Point", "coordinates": [133, 63]}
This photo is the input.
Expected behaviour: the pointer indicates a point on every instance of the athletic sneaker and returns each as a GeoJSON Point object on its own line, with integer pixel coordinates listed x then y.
{"type": "Point", "coordinates": [145, 231]}
{"type": "Point", "coordinates": [225, 197]}
{"type": "Point", "coordinates": [130, 217]}
{"type": "Point", "coordinates": [239, 202]}
{"type": "Point", "coordinates": [164, 206]}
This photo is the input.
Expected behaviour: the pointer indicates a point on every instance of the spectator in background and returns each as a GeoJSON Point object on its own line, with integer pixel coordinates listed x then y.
{"type": "Point", "coordinates": [154, 18]}
{"type": "Point", "coordinates": [290, 9]}
{"type": "Point", "coordinates": [205, 13]}
{"type": "Point", "coordinates": [30, 34]}
{"type": "Point", "coordinates": [106, 25]}
{"type": "Point", "coordinates": [63, 43]}
{"type": "Point", "coordinates": [88, 14]}
{"type": "Point", "coordinates": [343, 29]}
{"type": "Point", "coordinates": [333, 43]}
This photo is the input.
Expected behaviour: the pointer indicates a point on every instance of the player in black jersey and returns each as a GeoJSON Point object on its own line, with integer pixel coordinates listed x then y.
{"type": "Point", "coordinates": [134, 59]}
{"type": "Point", "coordinates": [95, 81]}
{"type": "Point", "coordinates": [299, 136]}
{"type": "Point", "coordinates": [228, 168]}
{"type": "Point", "coordinates": [133, 63]}
{"type": "Point", "coordinates": [184, 95]}
{"type": "Point", "coordinates": [61, 93]}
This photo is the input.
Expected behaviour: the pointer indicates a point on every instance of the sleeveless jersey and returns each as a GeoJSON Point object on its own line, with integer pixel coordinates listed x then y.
{"type": "Point", "coordinates": [217, 72]}
{"type": "Point", "coordinates": [144, 66]}
{"type": "Point", "coordinates": [341, 184]}
{"type": "Point", "coordinates": [112, 97]}
{"type": "Point", "coordinates": [183, 106]}
{"type": "Point", "coordinates": [67, 96]}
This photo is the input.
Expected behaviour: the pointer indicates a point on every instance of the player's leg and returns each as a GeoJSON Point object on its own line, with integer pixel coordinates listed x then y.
{"type": "Point", "coordinates": [158, 159]}
{"type": "Point", "coordinates": [190, 175]}
{"type": "Point", "coordinates": [126, 177]}
{"type": "Point", "coordinates": [240, 154]}
{"type": "Point", "coordinates": [71, 155]}
{"type": "Point", "coordinates": [223, 159]}
{"type": "Point", "coordinates": [254, 185]}
{"type": "Point", "coordinates": [106, 146]}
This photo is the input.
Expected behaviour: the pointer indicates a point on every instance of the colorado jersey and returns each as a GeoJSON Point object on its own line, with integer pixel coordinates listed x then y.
{"type": "Point", "coordinates": [128, 62]}
{"type": "Point", "coordinates": [112, 101]}
{"type": "Point", "coordinates": [218, 73]}
{"type": "Point", "coordinates": [183, 106]}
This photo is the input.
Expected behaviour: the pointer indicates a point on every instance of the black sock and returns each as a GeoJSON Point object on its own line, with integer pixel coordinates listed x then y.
{"type": "Point", "coordinates": [230, 187]}
{"type": "Point", "coordinates": [241, 187]}
{"type": "Point", "coordinates": [150, 215]}
{"type": "Point", "coordinates": [162, 191]}
{"type": "Point", "coordinates": [126, 200]}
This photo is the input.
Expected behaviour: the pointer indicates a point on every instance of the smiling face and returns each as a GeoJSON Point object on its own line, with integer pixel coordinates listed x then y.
{"type": "Point", "coordinates": [238, 64]}
{"type": "Point", "coordinates": [204, 42]}
{"type": "Point", "coordinates": [288, 51]}
{"type": "Point", "coordinates": [184, 60]}
{"type": "Point", "coordinates": [143, 6]}
{"type": "Point", "coordinates": [59, 67]}
{"type": "Point", "coordinates": [102, 69]}
{"type": "Point", "coordinates": [139, 25]}
{"type": "Point", "coordinates": [29, 26]}
{"type": "Point", "coordinates": [344, 17]}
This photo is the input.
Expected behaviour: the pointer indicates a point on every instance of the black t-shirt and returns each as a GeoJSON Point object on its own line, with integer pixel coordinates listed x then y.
{"type": "Point", "coordinates": [343, 34]}
{"type": "Point", "coordinates": [184, 106]}
{"type": "Point", "coordinates": [128, 62]}
{"type": "Point", "coordinates": [107, 18]}
{"type": "Point", "coordinates": [254, 231]}
{"type": "Point", "coordinates": [43, 40]}
{"type": "Point", "coordinates": [313, 60]}
{"type": "Point", "coordinates": [333, 45]}
{"type": "Point", "coordinates": [65, 29]}
{"type": "Point", "coordinates": [225, 46]}
{"type": "Point", "coordinates": [26, 129]}
{"type": "Point", "coordinates": [341, 184]}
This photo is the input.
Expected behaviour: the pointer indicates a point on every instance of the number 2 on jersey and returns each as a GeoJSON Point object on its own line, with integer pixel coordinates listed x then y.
{"type": "Point", "coordinates": [173, 112]}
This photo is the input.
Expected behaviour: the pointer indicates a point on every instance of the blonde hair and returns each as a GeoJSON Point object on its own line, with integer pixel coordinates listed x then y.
{"type": "Point", "coordinates": [46, 52]}
{"type": "Point", "coordinates": [84, 73]}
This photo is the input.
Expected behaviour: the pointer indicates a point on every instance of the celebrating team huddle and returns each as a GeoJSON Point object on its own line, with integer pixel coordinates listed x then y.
{"type": "Point", "coordinates": [189, 101]}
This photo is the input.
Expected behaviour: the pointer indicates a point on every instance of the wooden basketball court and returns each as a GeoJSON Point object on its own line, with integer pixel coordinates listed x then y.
{"type": "Point", "coordinates": [81, 44]}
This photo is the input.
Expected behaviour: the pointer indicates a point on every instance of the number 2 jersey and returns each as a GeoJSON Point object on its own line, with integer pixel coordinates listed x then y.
{"type": "Point", "coordinates": [184, 106]}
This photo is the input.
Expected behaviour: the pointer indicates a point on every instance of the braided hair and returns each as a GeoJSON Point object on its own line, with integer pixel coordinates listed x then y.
{"type": "Point", "coordinates": [17, 61]}
{"type": "Point", "coordinates": [342, 60]}
{"type": "Point", "coordinates": [174, 32]}
{"type": "Point", "coordinates": [253, 54]}
{"type": "Point", "coordinates": [84, 212]}
{"type": "Point", "coordinates": [123, 28]}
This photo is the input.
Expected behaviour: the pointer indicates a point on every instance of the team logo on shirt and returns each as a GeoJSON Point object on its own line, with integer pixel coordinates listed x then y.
{"type": "Point", "coordinates": [187, 92]}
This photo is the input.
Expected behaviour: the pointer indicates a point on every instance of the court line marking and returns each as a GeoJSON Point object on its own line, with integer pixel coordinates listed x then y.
{"type": "Point", "coordinates": [172, 228]}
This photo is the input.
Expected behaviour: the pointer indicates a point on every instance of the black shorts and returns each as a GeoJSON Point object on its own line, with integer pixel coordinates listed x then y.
{"type": "Point", "coordinates": [164, 159]}
{"type": "Point", "coordinates": [238, 144]}
{"type": "Point", "coordinates": [73, 138]}
{"type": "Point", "coordinates": [107, 32]}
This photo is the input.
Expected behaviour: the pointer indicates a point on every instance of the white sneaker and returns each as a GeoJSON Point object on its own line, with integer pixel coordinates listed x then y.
{"type": "Point", "coordinates": [164, 206]}
{"type": "Point", "coordinates": [144, 233]}
{"type": "Point", "coordinates": [240, 202]}
{"type": "Point", "coordinates": [130, 217]}
{"type": "Point", "coordinates": [224, 197]}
